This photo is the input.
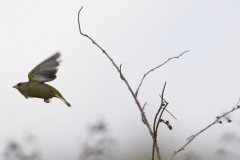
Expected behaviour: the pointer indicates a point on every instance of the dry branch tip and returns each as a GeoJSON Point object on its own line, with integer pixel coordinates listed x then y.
{"type": "Point", "coordinates": [191, 138]}
{"type": "Point", "coordinates": [177, 57]}
{"type": "Point", "coordinates": [122, 77]}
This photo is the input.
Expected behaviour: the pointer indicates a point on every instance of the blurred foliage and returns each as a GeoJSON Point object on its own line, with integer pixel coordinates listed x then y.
{"type": "Point", "coordinates": [16, 151]}
{"type": "Point", "coordinates": [190, 155]}
{"type": "Point", "coordinates": [230, 146]}
{"type": "Point", "coordinates": [98, 144]}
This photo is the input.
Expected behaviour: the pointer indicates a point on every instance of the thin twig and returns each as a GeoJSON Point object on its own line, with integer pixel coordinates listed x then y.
{"type": "Point", "coordinates": [163, 98]}
{"type": "Point", "coordinates": [154, 123]}
{"type": "Point", "coordinates": [144, 105]}
{"type": "Point", "coordinates": [144, 112]}
{"type": "Point", "coordinates": [191, 138]}
{"type": "Point", "coordinates": [126, 82]}
{"type": "Point", "coordinates": [166, 103]}
{"type": "Point", "coordinates": [136, 93]}
{"type": "Point", "coordinates": [154, 132]}
{"type": "Point", "coordinates": [121, 72]}
{"type": "Point", "coordinates": [155, 119]}
{"type": "Point", "coordinates": [160, 118]}
{"type": "Point", "coordinates": [171, 114]}
{"type": "Point", "coordinates": [166, 109]}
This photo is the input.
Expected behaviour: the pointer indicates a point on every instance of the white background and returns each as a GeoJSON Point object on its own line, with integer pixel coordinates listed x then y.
{"type": "Point", "coordinates": [140, 35]}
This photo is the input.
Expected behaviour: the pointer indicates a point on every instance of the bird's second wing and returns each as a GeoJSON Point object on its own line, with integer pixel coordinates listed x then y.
{"type": "Point", "coordinates": [45, 71]}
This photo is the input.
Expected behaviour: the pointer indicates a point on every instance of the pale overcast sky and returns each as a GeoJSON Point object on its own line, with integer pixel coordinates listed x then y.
{"type": "Point", "coordinates": [140, 35]}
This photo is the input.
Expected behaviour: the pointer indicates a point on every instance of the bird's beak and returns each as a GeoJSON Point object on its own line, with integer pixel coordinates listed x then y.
{"type": "Point", "coordinates": [15, 86]}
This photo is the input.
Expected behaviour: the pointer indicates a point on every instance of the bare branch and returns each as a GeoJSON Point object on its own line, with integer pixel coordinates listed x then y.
{"type": "Point", "coordinates": [166, 109]}
{"type": "Point", "coordinates": [154, 123]}
{"type": "Point", "coordinates": [160, 118]}
{"type": "Point", "coordinates": [144, 112]}
{"type": "Point", "coordinates": [191, 138]}
{"type": "Point", "coordinates": [163, 98]}
{"type": "Point", "coordinates": [126, 82]}
{"type": "Point", "coordinates": [165, 104]}
{"type": "Point", "coordinates": [155, 119]}
{"type": "Point", "coordinates": [136, 93]}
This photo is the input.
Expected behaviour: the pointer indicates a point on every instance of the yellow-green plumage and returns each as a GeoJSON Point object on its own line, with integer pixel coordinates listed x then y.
{"type": "Point", "coordinates": [36, 87]}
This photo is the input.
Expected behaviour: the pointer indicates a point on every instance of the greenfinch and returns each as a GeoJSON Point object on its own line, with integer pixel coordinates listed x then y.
{"type": "Point", "coordinates": [36, 86]}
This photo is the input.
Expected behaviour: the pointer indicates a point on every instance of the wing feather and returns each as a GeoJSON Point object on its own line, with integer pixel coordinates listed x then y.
{"type": "Point", "coordinates": [45, 71]}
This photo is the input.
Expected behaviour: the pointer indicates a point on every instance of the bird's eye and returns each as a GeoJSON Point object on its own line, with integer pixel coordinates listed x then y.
{"type": "Point", "coordinates": [19, 84]}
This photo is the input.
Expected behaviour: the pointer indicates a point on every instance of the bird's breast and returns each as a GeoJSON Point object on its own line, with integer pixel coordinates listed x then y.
{"type": "Point", "coordinates": [39, 90]}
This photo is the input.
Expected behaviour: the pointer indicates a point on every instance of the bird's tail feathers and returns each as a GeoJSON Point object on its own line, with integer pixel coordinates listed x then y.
{"type": "Point", "coordinates": [61, 98]}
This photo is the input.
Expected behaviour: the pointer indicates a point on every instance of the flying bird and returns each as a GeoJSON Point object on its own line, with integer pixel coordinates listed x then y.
{"type": "Point", "coordinates": [36, 86]}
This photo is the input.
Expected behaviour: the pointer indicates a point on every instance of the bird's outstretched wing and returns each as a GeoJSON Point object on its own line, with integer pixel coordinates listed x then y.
{"type": "Point", "coordinates": [45, 71]}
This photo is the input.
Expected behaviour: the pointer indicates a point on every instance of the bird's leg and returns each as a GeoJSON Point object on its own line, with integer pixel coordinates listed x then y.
{"type": "Point", "coordinates": [46, 100]}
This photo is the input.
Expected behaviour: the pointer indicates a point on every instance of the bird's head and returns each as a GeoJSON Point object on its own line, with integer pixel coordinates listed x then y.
{"type": "Point", "coordinates": [21, 87]}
